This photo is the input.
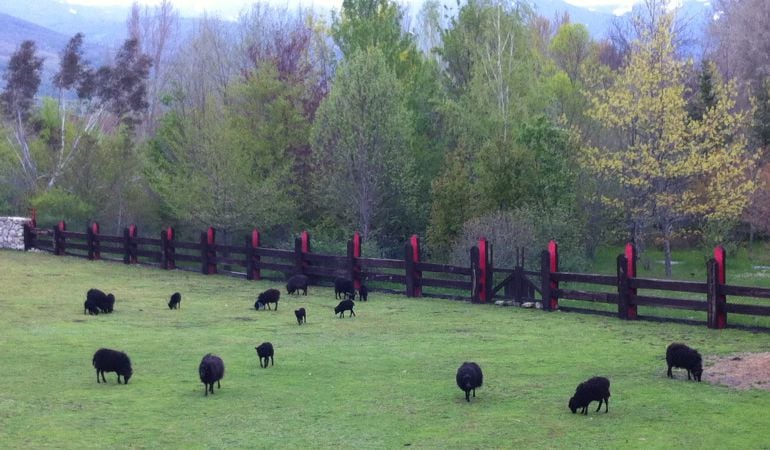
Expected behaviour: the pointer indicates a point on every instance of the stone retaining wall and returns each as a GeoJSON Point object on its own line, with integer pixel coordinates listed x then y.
{"type": "Point", "coordinates": [12, 232]}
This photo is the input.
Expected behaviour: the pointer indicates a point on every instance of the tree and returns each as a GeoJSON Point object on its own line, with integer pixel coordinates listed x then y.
{"type": "Point", "coordinates": [665, 167]}
{"type": "Point", "coordinates": [22, 81]}
{"type": "Point", "coordinates": [360, 141]}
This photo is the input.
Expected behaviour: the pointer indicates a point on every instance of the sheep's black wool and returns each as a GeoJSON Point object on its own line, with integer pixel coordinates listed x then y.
{"type": "Point", "coordinates": [297, 283]}
{"type": "Point", "coordinates": [684, 357]}
{"type": "Point", "coordinates": [343, 288]}
{"type": "Point", "coordinates": [363, 293]}
{"type": "Point", "coordinates": [104, 302]}
{"type": "Point", "coordinates": [300, 314]}
{"type": "Point", "coordinates": [469, 377]}
{"type": "Point", "coordinates": [267, 297]}
{"type": "Point", "coordinates": [345, 305]}
{"type": "Point", "coordinates": [90, 307]}
{"type": "Point", "coordinates": [596, 388]}
{"type": "Point", "coordinates": [107, 360]}
{"type": "Point", "coordinates": [265, 352]}
{"type": "Point", "coordinates": [176, 301]}
{"type": "Point", "coordinates": [211, 370]}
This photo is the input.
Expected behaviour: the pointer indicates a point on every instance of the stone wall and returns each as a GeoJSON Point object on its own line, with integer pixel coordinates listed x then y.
{"type": "Point", "coordinates": [12, 232]}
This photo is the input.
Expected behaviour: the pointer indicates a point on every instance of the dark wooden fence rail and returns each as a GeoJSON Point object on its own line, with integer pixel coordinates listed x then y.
{"type": "Point", "coordinates": [475, 281]}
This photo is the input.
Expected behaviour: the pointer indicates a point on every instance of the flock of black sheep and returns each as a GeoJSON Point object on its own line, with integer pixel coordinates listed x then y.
{"type": "Point", "coordinates": [469, 375]}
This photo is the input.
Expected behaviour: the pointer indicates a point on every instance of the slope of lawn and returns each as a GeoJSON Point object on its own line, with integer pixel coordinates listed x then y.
{"type": "Point", "coordinates": [382, 379]}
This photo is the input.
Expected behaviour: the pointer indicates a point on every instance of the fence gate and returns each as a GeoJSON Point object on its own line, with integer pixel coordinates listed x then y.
{"type": "Point", "coordinates": [518, 284]}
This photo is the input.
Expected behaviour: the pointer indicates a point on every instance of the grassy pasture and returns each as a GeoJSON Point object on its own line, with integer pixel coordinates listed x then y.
{"type": "Point", "coordinates": [383, 379]}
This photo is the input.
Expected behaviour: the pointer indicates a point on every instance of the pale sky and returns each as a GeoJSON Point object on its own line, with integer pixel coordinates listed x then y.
{"type": "Point", "coordinates": [231, 8]}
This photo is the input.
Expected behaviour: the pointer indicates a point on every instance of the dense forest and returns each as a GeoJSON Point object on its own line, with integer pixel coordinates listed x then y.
{"type": "Point", "coordinates": [482, 119]}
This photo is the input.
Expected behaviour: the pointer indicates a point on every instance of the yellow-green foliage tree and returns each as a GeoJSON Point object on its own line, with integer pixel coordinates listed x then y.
{"type": "Point", "coordinates": [663, 167]}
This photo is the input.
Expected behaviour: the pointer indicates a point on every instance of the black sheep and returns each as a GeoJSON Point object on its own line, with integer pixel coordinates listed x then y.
{"type": "Point", "coordinates": [267, 297]}
{"type": "Point", "coordinates": [684, 357]}
{"type": "Point", "coordinates": [343, 288]}
{"type": "Point", "coordinates": [596, 388]}
{"type": "Point", "coordinates": [90, 307]}
{"type": "Point", "coordinates": [300, 314]}
{"type": "Point", "coordinates": [105, 302]}
{"type": "Point", "coordinates": [469, 377]}
{"type": "Point", "coordinates": [363, 293]}
{"type": "Point", "coordinates": [297, 283]}
{"type": "Point", "coordinates": [265, 352]}
{"type": "Point", "coordinates": [211, 369]}
{"type": "Point", "coordinates": [345, 305]}
{"type": "Point", "coordinates": [176, 301]}
{"type": "Point", "coordinates": [107, 360]}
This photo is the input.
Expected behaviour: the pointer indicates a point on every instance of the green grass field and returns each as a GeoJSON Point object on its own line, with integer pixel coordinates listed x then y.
{"type": "Point", "coordinates": [383, 379]}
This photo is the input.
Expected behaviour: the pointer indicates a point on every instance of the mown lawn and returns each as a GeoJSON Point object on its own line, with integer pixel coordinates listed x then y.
{"type": "Point", "coordinates": [383, 379]}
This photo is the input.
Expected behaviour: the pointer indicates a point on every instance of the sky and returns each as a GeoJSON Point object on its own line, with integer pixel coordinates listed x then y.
{"type": "Point", "coordinates": [230, 8]}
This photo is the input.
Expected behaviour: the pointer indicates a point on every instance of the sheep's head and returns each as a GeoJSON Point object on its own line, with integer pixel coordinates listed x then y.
{"type": "Point", "coordinates": [697, 372]}
{"type": "Point", "coordinates": [127, 374]}
{"type": "Point", "coordinates": [573, 405]}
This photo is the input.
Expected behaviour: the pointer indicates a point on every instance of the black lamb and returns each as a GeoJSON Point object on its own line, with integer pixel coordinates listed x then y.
{"type": "Point", "coordinates": [108, 304]}
{"type": "Point", "coordinates": [104, 302]}
{"type": "Point", "coordinates": [596, 388]}
{"type": "Point", "coordinates": [469, 377]}
{"type": "Point", "coordinates": [265, 352]}
{"type": "Point", "coordinates": [107, 360]}
{"type": "Point", "coordinates": [363, 293]}
{"type": "Point", "coordinates": [176, 301]}
{"type": "Point", "coordinates": [343, 288]}
{"type": "Point", "coordinates": [684, 357]}
{"type": "Point", "coordinates": [90, 307]}
{"type": "Point", "coordinates": [345, 305]}
{"type": "Point", "coordinates": [297, 283]}
{"type": "Point", "coordinates": [300, 314]}
{"type": "Point", "coordinates": [267, 297]}
{"type": "Point", "coordinates": [211, 369]}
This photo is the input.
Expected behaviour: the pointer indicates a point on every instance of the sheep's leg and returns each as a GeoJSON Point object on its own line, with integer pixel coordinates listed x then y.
{"type": "Point", "coordinates": [688, 374]}
{"type": "Point", "coordinates": [118, 378]}
{"type": "Point", "coordinates": [218, 385]}
{"type": "Point", "coordinates": [607, 405]}
{"type": "Point", "coordinates": [670, 375]}
{"type": "Point", "coordinates": [468, 395]}
{"type": "Point", "coordinates": [352, 313]}
{"type": "Point", "coordinates": [205, 389]}
{"type": "Point", "coordinates": [272, 362]}
{"type": "Point", "coordinates": [97, 376]}
{"type": "Point", "coordinates": [474, 392]}
{"type": "Point", "coordinates": [600, 405]}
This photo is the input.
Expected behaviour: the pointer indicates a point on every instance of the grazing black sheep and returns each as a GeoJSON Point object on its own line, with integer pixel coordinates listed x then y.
{"type": "Point", "coordinates": [345, 305]}
{"type": "Point", "coordinates": [105, 302]}
{"type": "Point", "coordinates": [300, 314]}
{"type": "Point", "coordinates": [107, 360]}
{"type": "Point", "coordinates": [469, 377]}
{"type": "Point", "coordinates": [267, 297]}
{"type": "Point", "coordinates": [297, 283]}
{"type": "Point", "coordinates": [684, 357]}
{"type": "Point", "coordinates": [343, 288]}
{"type": "Point", "coordinates": [211, 369]}
{"type": "Point", "coordinates": [90, 307]}
{"type": "Point", "coordinates": [265, 352]}
{"type": "Point", "coordinates": [363, 293]}
{"type": "Point", "coordinates": [596, 388]}
{"type": "Point", "coordinates": [176, 301]}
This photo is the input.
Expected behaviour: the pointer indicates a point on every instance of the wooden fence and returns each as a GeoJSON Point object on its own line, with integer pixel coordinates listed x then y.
{"type": "Point", "coordinates": [417, 278]}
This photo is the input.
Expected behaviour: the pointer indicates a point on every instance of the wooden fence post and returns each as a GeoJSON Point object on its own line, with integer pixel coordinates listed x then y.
{"type": "Point", "coordinates": [354, 253]}
{"type": "Point", "coordinates": [623, 289]}
{"type": "Point", "coordinates": [717, 308]}
{"type": "Point", "coordinates": [59, 241]}
{"type": "Point", "coordinates": [627, 309]}
{"type": "Point", "coordinates": [551, 301]}
{"type": "Point", "coordinates": [30, 236]}
{"type": "Point", "coordinates": [475, 274]}
{"type": "Point", "coordinates": [208, 252]}
{"type": "Point", "coordinates": [92, 240]}
{"type": "Point", "coordinates": [411, 258]}
{"type": "Point", "coordinates": [545, 279]}
{"type": "Point", "coordinates": [129, 244]}
{"type": "Point", "coordinates": [253, 271]}
{"type": "Point", "coordinates": [485, 270]}
{"type": "Point", "coordinates": [167, 251]}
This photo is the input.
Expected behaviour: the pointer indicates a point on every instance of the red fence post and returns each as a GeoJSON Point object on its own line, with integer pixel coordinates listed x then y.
{"type": "Point", "coordinates": [630, 312]}
{"type": "Point", "coordinates": [475, 274]}
{"type": "Point", "coordinates": [30, 236]}
{"type": "Point", "coordinates": [92, 240]}
{"type": "Point", "coordinates": [59, 241]}
{"type": "Point", "coordinates": [414, 259]}
{"type": "Point", "coordinates": [551, 301]}
{"type": "Point", "coordinates": [485, 270]}
{"type": "Point", "coordinates": [720, 313]}
{"type": "Point", "coordinates": [129, 244]}
{"type": "Point", "coordinates": [167, 250]}
{"type": "Point", "coordinates": [252, 258]}
{"type": "Point", "coordinates": [355, 263]}
{"type": "Point", "coordinates": [210, 267]}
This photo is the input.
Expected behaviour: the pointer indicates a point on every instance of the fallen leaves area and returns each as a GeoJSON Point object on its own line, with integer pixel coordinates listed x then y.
{"type": "Point", "coordinates": [739, 371]}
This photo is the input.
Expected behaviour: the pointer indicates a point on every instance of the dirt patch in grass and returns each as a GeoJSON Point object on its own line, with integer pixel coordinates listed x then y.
{"type": "Point", "coordinates": [739, 371]}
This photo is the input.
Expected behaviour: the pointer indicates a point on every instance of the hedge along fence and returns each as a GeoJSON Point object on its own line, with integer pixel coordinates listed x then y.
{"type": "Point", "coordinates": [474, 282]}
{"type": "Point", "coordinates": [254, 260]}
